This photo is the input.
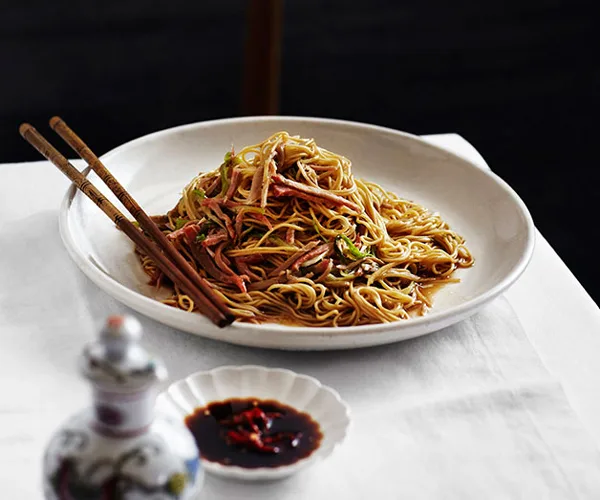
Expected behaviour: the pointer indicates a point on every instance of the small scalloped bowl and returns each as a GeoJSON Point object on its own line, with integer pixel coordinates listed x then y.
{"type": "Point", "coordinates": [302, 392]}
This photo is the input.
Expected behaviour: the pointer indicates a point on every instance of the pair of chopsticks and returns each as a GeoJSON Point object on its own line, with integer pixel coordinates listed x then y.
{"type": "Point", "coordinates": [158, 247]}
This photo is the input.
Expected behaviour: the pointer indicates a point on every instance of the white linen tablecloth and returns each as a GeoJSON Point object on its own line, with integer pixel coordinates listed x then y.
{"type": "Point", "coordinates": [471, 412]}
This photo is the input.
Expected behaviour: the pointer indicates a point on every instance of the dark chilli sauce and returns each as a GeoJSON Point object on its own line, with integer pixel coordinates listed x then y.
{"type": "Point", "coordinates": [253, 433]}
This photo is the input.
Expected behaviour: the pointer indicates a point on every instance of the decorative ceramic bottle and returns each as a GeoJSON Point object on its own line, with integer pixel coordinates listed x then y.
{"type": "Point", "coordinates": [120, 449]}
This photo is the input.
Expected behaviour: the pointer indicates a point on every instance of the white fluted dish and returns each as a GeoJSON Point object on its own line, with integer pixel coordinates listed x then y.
{"type": "Point", "coordinates": [301, 392]}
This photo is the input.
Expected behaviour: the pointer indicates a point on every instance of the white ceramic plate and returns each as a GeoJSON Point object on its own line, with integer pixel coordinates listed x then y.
{"type": "Point", "coordinates": [301, 392]}
{"type": "Point", "coordinates": [476, 203]}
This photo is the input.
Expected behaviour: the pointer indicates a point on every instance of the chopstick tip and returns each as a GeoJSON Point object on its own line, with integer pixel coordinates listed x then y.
{"type": "Point", "coordinates": [228, 317]}
{"type": "Point", "coordinates": [226, 321]}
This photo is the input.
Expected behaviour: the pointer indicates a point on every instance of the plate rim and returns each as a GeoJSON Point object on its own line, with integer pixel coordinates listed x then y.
{"type": "Point", "coordinates": [351, 334]}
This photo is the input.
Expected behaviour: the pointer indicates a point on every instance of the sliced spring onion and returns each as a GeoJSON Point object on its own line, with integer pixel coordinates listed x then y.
{"type": "Point", "coordinates": [199, 193]}
{"type": "Point", "coordinates": [179, 222]}
{"type": "Point", "coordinates": [225, 176]}
{"type": "Point", "coordinates": [354, 252]}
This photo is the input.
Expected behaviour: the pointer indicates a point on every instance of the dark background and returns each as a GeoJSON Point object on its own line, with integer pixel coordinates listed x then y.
{"type": "Point", "coordinates": [518, 79]}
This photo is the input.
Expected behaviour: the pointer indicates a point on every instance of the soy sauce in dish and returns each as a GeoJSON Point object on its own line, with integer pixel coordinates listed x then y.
{"type": "Point", "coordinates": [253, 433]}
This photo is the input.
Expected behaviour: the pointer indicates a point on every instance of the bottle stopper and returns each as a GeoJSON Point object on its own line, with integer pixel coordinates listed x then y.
{"type": "Point", "coordinates": [117, 362]}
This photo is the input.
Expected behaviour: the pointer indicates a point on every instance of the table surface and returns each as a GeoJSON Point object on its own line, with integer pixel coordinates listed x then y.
{"type": "Point", "coordinates": [560, 319]}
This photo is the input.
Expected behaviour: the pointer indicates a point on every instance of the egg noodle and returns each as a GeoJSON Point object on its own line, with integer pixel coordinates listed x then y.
{"type": "Point", "coordinates": [285, 233]}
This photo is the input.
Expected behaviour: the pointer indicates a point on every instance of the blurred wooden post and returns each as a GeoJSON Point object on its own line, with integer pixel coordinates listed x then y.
{"type": "Point", "coordinates": [262, 57]}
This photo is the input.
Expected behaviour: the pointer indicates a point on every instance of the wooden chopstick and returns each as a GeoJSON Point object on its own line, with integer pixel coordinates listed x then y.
{"type": "Point", "coordinates": [206, 305]}
{"type": "Point", "coordinates": [146, 223]}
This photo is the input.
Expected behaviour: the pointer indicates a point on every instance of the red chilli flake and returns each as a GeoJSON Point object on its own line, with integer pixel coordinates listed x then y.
{"type": "Point", "coordinates": [252, 431]}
